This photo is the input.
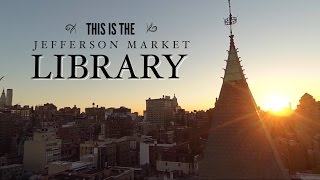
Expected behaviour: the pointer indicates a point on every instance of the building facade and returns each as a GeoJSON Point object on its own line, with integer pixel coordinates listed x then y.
{"type": "Point", "coordinates": [7, 131]}
{"type": "Point", "coordinates": [40, 150]}
{"type": "Point", "coordinates": [161, 111]}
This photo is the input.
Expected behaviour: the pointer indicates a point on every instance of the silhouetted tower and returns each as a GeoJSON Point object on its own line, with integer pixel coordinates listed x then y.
{"type": "Point", "coordinates": [3, 99]}
{"type": "Point", "coordinates": [239, 145]}
{"type": "Point", "coordinates": [9, 97]}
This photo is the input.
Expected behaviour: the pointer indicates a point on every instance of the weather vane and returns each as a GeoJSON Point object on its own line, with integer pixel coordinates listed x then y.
{"type": "Point", "coordinates": [230, 20]}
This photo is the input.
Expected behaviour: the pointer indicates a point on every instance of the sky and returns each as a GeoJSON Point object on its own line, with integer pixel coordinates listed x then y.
{"type": "Point", "coordinates": [277, 42]}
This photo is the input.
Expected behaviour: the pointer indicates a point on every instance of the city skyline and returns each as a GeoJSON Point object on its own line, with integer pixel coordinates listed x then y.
{"type": "Point", "coordinates": [277, 42]}
{"type": "Point", "coordinates": [277, 106]}
{"type": "Point", "coordinates": [151, 90]}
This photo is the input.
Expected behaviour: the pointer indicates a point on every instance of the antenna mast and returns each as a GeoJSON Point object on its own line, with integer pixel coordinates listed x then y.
{"type": "Point", "coordinates": [230, 20]}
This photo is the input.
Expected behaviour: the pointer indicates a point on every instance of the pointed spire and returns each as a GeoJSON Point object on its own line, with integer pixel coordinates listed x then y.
{"type": "Point", "coordinates": [234, 69]}
{"type": "Point", "coordinates": [3, 93]}
{"type": "Point", "coordinates": [239, 145]}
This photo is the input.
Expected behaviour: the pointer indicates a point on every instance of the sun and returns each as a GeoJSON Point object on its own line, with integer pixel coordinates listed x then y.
{"type": "Point", "coordinates": [278, 105]}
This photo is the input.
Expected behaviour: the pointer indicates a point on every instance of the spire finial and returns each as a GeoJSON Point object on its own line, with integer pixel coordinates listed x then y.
{"type": "Point", "coordinates": [230, 20]}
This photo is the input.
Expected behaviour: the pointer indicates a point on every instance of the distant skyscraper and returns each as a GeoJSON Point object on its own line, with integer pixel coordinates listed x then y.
{"type": "Point", "coordinates": [9, 97]}
{"type": "Point", "coordinates": [6, 99]}
{"type": "Point", "coordinates": [239, 145]}
{"type": "Point", "coordinates": [3, 99]}
{"type": "Point", "coordinates": [161, 111]}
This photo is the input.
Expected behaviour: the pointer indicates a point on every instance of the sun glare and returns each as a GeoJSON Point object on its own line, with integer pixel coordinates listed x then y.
{"type": "Point", "coordinates": [278, 105]}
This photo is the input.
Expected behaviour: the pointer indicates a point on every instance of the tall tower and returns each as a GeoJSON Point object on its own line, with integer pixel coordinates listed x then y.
{"type": "Point", "coordinates": [3, 99]}
{"type": "Point", "coordinates": [239, 145]}
{"type": "Point", "coordinates": [9, 97]}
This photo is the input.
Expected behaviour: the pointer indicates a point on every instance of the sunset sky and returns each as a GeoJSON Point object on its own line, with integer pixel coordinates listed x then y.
{"type": "Point", "coordinates": [278, 43]}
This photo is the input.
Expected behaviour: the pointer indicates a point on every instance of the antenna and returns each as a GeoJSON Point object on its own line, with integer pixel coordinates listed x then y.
{"type": "Point", "coordinates": [230, 20]}
{"type": "Point", "coordinates": [1, 78]}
